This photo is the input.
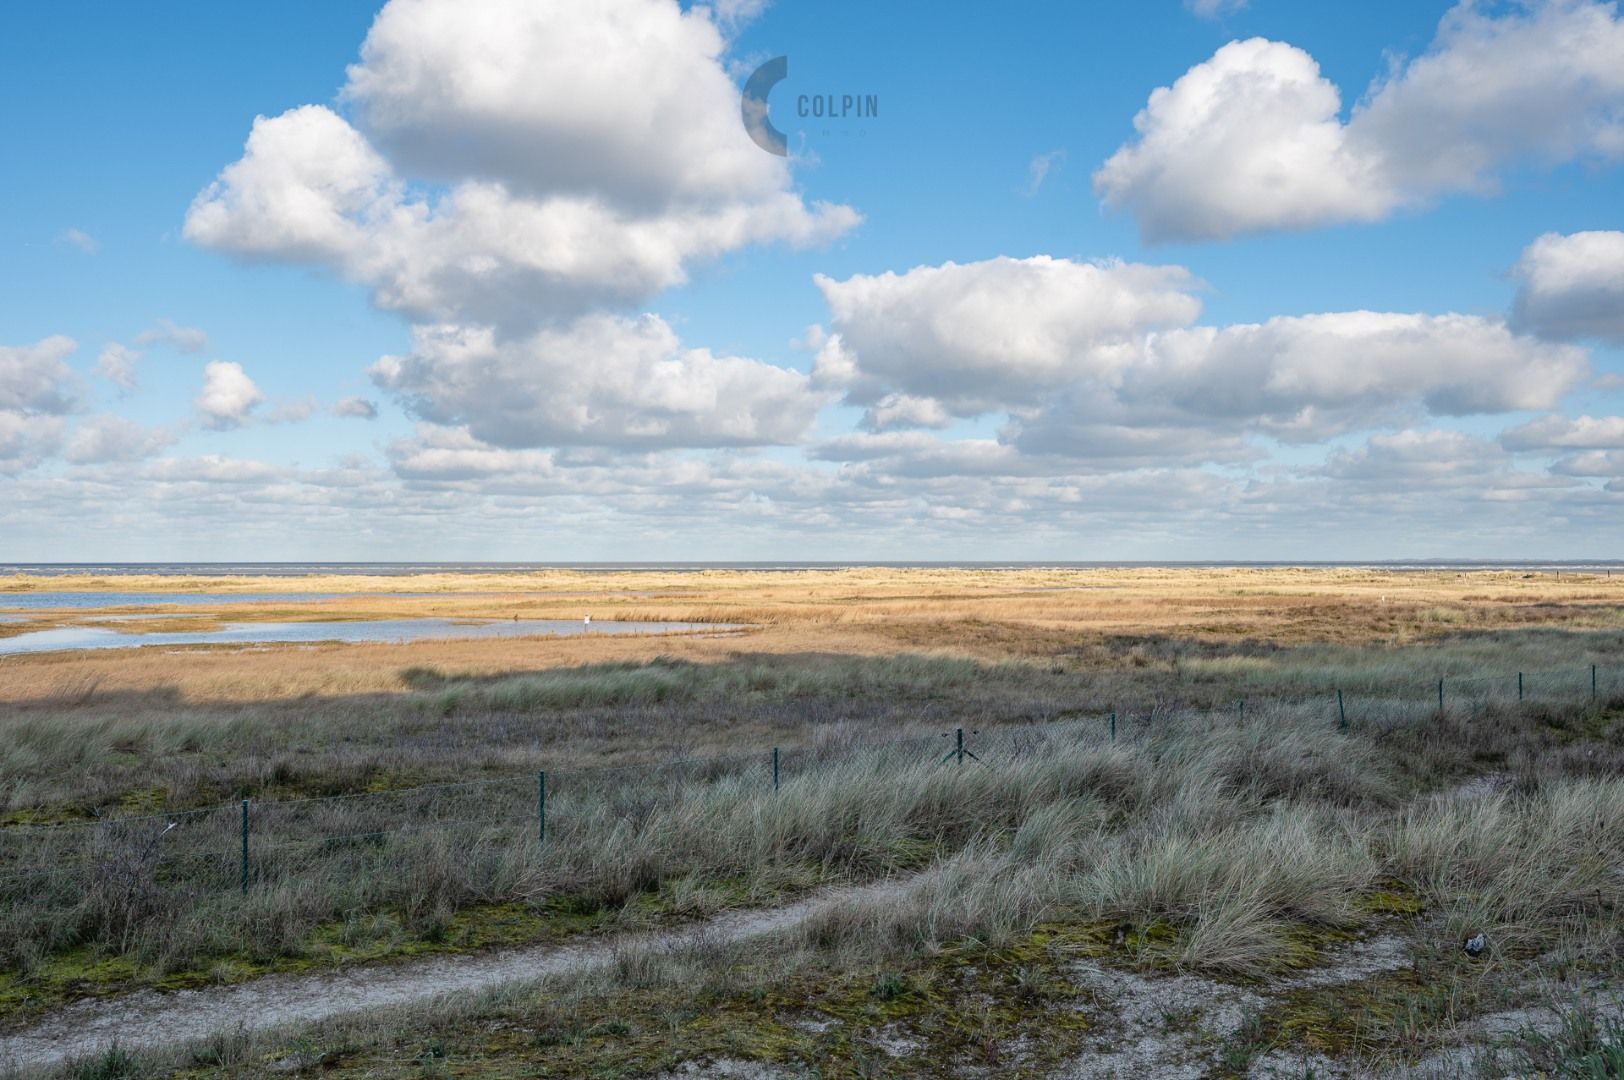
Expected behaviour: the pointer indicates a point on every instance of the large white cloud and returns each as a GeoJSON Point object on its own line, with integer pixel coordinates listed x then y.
{"type": "Point", "coordinates": [586, 155]}
{"type": "Point", "coordinates": [603, 380]}
{"type": "Point", "coordinates": [1073, 352]}
{"type": "Point", "coordinates": [982, 335]}
{"type": "Point", "coordinates": [621, 99]}
{"type": "Point", "coordinates": [1573, 286]}
{"type": "Point", "coordinates": [1253, 139]}
{"type": "Point", "coordinates": [1309, 376]}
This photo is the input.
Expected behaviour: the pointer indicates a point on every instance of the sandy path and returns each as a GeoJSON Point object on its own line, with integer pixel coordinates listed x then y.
{"type": "Point", "coordinates": [150, 1018]}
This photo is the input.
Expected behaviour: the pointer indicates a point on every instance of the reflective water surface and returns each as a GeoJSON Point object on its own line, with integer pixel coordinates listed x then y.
{"type": "Point", "coordinates": [386, 630]}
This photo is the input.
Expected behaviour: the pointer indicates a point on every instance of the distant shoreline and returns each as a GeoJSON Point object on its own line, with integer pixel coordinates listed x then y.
{"type": "Point", "coordinates": [406, 569]}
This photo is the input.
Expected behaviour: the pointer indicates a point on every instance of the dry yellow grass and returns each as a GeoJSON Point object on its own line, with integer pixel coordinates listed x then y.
{"type": "Point", "coordinates": [987, 614]}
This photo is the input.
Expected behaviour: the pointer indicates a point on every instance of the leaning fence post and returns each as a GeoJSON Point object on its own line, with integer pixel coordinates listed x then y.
{"type": "Point", "coordinates": [541, 807]}
{"type": "Point", "coordinates": [1341, 713]}
{"type": "Point", "coordinates": [775, 768]}
{"type": "Point", "coordinates": [245, 847]}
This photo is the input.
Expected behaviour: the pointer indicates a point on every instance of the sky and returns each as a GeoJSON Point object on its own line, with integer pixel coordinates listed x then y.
{"type": "Point", "coordinates": [511, 280]}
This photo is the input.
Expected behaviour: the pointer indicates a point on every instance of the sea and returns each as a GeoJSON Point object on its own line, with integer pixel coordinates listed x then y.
{"type": "Point", "coordinates": [404, 569]}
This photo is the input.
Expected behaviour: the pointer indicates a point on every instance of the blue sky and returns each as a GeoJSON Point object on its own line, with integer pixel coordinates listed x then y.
{"type": "Point", "coordinates": [600, 312]}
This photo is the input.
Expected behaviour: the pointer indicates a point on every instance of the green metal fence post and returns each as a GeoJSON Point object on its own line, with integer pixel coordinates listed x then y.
{"type": "Point", "coordinates": [245, 847]}
{"type": "Point", "coordinates": [958, 741]}
{"type": "Point", "coordinates": [1519, 686]}
{"type": "Point", "coordinates": [1592, 682]}
{"type": "Point", "coordinates": [1113, 725]}
{"type": "Point", "coordinates": [541, 807]}
{"type": "Point", "coordinates": [1440, 695]}
{"type": "Point", "coordinates": [1243, 710]}
{"type": "Point", "coordinates": [775, 768]}
{"type": "Point", "coordinates": [1341, 713]}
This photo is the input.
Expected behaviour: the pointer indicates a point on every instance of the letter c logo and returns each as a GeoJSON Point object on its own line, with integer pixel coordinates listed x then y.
{"type": "Point", "coordinates": [753, 106]}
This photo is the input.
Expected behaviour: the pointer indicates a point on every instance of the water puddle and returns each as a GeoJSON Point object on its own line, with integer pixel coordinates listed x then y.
{"type": "Point", "coordinates": [361, 630]}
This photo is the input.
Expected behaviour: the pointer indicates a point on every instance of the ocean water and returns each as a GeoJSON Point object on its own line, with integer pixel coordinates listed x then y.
{"type": "Point", "coordinates": [395, 569]}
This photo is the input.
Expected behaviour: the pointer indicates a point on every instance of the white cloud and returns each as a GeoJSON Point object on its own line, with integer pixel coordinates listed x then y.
{"type": "Point", "coordinates": [1417, 458]}
{"type": "Point", "coordinates": [603, 380]}
{"type": "Point", "coordinates": [105, 438]}
{"type": "Point", "coordinates": [904, 411]}
{"type": "Point", "coordinates": [34, 379]}
{"type": "Point", "coordinates": [978, 336]}
{"type": "Point", "coordinates": [80, 239]}
{"type": "Point", "coordinates": [1039, 168]}
{"type": "Point", "coordinates": [27, 439]}
{"type": "Point", "coordinates": [116, 364]}
{"type": "Point", "coordinates": [1573, 286]}
{"type": "Point", "coordinates": [625, 100]}
{"type": "Point", "coordinates": [590, 153]}
{"type": "Point", "coordinates": [228, 397]}
{"type": "Point", "coordinates": [36, 390]}
{"type": "Point", "coordinates": [186, 339]}
{"type": "Point", "coordinates": [1252, 139]}
{"type": "Point", "coordinates": [1557, 432]}
{"type": "Point", "coordinates": [1091, 360]}
{"type": "Point", "coordinates": [211, 469]}
{"type": "Point", "coordinates": [358, 408]}
{"type": "Point", "coordinates": [1601, 463]}
{"type": "Point", "coordinates": [1310, 376]}
{"type": "Point", "coordinates": [1212, 9]}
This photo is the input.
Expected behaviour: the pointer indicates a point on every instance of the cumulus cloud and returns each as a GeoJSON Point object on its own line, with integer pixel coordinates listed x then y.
{"type": "Point", "coordinates": [37, 389]}
{"type": "Point", "coordinates": [1411, 458]}
{"type": "Point", "coordinates": [586, 153]}
{"type": "Point", "coordinates": [228, 397]}
{"type": "Point", "coordinates": [116, 364]}
{"type": "Point", "coordinates": [626, 100]}
{"type": "Point", "coordinates": [1252, 139]}
{"type": "Point", "coordinates": [27, 439]}
{"type": "Point", "coordinates": [34, 378]}
{"type": "Point", "coordinates": [1557, 432]}
{"type": "Point", "coordinates": [358, 408]}
{"type": "Point", "coordinates": [1597, 463]}
{"type": "Point", "coordinates": [106, 438]}
{"type": "Point", "coordinates": [1573, 286]}
{"type": "Point", "coordinates": [1092, 360]}
{"type": "Point", "coordinates": [1310, 376]}
{"type": "Point", "coordinates": [978, 336]}
{"type": "Point", "coordinates": [186, 339]}
{"type": "Point", "coordinates": [603, 380]}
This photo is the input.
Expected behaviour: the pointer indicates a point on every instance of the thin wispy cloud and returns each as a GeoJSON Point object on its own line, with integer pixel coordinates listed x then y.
{"type": "Point", "coordinates": [1039, 168]}
{"type": "Point", "coordinates": [78, 238]}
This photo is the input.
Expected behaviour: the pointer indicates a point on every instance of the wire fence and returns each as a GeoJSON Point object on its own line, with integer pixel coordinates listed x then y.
{"type": "Point", "coordinates": [123, 867]}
